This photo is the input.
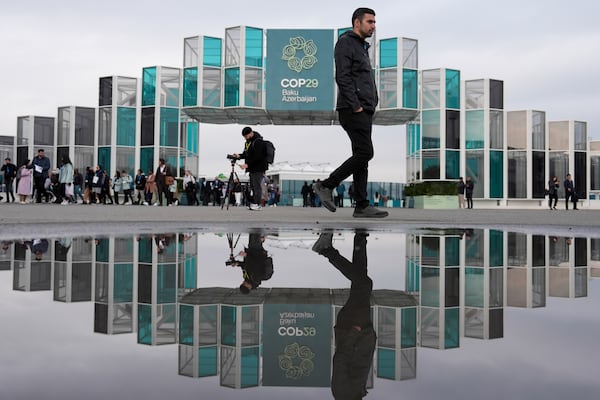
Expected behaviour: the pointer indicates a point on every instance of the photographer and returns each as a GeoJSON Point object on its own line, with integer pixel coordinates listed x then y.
{"type": "Point", "coordinates": [256, 164]}
{"type": "Point", "coordinates": [256, 265]}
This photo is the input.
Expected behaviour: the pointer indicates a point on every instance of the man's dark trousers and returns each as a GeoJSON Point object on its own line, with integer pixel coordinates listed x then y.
{"type": "Point", "coordinates": [358, 126]}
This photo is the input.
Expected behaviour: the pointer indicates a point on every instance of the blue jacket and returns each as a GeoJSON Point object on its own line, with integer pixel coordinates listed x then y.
{"type": "Point", "coordinates": [43, 163]}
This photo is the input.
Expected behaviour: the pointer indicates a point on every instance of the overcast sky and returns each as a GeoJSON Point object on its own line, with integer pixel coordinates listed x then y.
{"type": "Point", "coordinates": [546, 52]}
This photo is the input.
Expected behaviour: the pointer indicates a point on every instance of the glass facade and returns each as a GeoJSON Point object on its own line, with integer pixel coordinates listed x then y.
{"type": "Point", "coordinates": [191, 47]}
{"type": "Point", "coordinates": [410, 88]}
{"type": "Point", "coordinates": [63, 126]}
{"type": "Point", "coordinates": [538, 176]}
{"type": "Point", "coordinates": [211, 87]}
{"type": "Point", "coordinates": [474, 129]}
{"type": "Point", "coordinates": [430, 81]}
{"type": "Point", "coordinates": [253, 88]}
{"type": "Point", "coordinates": [496, 129]}
{"type": "Point", "coordinates": [388, 53]}
{"type": "Point", "coordinates": [190, 86]}
{"type": "Point", "coordinates": [538, 122]}
{"type": "Point", "coordinates": [149, 86]}
{"type": "Point", "coordinates": [388, 94]}
{"type": "Point", "coordinates": [475, 170]}
{"type": "Point", "coordinates": [517, 175]}
{"type": "Point", "coordinates": [431, 129]}
{"type": "Point", "coordinates": [213, 51]}
{"type": "Point", "coordinates": [496, 174]}
{"type": "Point", "coordinates": [84, 126]}
{"type": "Point", "coordinates": [126, 122]}
{"type": "Point", "coordinates": [254, 47]}
{"type": "Point", "coordinates": [106, 88]}
{"type": "Point", "coordinates": [169, 127]}
{"type": "Point", "coordinates": [410, 53]}
{"type": "Point", "coordinates": [452, 89]}
{"type": "Point", "coordinates": [232, 87]}
{"type": "Point", "coordinates": [474, 94]}
{"type": "Point", "coordinates": [580, 135]}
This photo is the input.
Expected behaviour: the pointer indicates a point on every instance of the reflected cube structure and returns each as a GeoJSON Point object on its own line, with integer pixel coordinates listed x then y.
{"type": "Point", "coordinates": [568, 267]}
{"type": "Point", "coordinates": [594, 258]}
{"type": "Point", "coordinates": [75, 135]}
{"type": "Point", "coordinates": [484, 285]}
{"type": "Point", "coordinates": [72, 270]}
{"type": "Point", "coordinates": [526, 277]}
{"type": "Point", "coordinates": [33, 133]}
{"type": "Point", "coordinates": [439, 293]}
{"type": "Point", "coordinates": [114, 286]}
{"type": "Point", "coordinates": [29, 274]}
{"type": "Point", "coordinates": [117, 124]}
{"type": "Point", "coordinates": [396, 326]}
{"type": "Point", "coordinates": [594, 176]}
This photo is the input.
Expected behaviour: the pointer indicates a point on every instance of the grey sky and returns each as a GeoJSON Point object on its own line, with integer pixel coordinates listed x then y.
{"type": "Point", "coordinates": [546, 52]}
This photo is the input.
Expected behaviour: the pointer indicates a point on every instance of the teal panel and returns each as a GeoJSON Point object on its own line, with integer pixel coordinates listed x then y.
{"type": "Point", "coordinates": [452, 89]}
{"type": "Point", "coordinates": [186, 325]}
{"type": "Point", "coordinates": [207, 361]}
{"type": "Point", "coordinates": [144, 324]}
{"type": "Point", "coordinates": [413, 276]}
{"type": "Point", "coordinates": [474, 130]}
{"type": "Point", "coordinates": [341, 31]}
{"type": "Point", "coordinates": [212, 51]}
{"type": "Point", "coordinates": [388, 53]}
{"type": "Point", "coordinates": [232, 87]}
{"type": "Point", "coordinates": [228, 322]}
{"type": "Point", "coordinates": [190, 273]}
{"type": "Point", "coordinates": [386, 363]}
{"type": "Point", "coordinates": [192, 137]}
{"type": "Point", "coordinates": [474, 287]}
{"type": "Point", "coordinates": [190, 86]}
{"type": "Point", "coordinates": [149, 86]}
{"type": "Point", "coordinates": [431, 164]}
{"type": "Point", "coordinates": [496, 248]}
{"type": "Point", "coordinates": [166, 284]}
{"type": "Point", "coordinates": [169, 127]}
{"type": "Point", "coordinates": [102, 248]}
{"type": "Point", "coordinates": [104, 159]}
{"type": "Point", "coordinates": [254, 47]}
{"type": "Point", "coordinates": [147, 159]}
{"type": "Point", "coordinates": [452, 331]}
{"type": "Point", "coordinates": [410, 88]}
{"type": "Point", "coordinates": [452, 251]}
{"type": "Point", "coordinates": [408, 334]}
{"type": "Point", "coordinates": [431, 129]}
{"type": "Point", "coordinates": [249, 370]}
{"type": "Point", "coordinates": [430, 287]}
{"type": "Point", "coordinates": [452, 164]}
{"type": "Point", "coordinates": [126, 126]}
{"type": "Point", "coordinates": [123, 280]}
{"type": "Point", "coordinates": [496, 174]}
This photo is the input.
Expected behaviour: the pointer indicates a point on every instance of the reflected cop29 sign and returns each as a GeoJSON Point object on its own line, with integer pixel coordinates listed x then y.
{"type": "Point", "coordinates": [297, 345]}
{"type": "Point", "coordinates": [299, 67]}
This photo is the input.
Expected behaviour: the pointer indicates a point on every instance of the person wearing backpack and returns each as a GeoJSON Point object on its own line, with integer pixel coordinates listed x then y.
{"type": "Point", "coordinates": [256, 266]}
{"type": "Point", "coordinates": [256, 163]}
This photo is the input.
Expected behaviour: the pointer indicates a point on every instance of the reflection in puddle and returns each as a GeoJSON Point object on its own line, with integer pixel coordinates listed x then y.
{"type": "Point", "coordinates": [302, 308]}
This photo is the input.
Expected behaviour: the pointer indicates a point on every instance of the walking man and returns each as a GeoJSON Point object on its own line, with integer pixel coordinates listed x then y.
{"type": "Point", "coordinates": [569, 193]}
{"type": "Point", "coordinates": [10, 172]}
{"type": "Point", "coordinates": [357, 99]}
{"type": "Point", "coordinates": [40, 166]}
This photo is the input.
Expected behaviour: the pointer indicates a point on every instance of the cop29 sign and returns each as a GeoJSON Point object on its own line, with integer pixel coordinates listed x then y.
{"type": "Point", "coordinates": [299, 69]}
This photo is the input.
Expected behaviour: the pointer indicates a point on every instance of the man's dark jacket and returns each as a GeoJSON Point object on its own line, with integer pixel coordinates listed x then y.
{"type": "Point", "coordinates": [255, 154]}
{"type": "Point", "coordinates": [354, 74]}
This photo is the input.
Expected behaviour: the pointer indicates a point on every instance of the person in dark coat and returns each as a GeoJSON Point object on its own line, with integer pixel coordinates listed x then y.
{"type": "Point", "coordinates": [553, 186]}
{"type": "Point", "coordinates": [469, 187]}
{"type": "Point", "coordinates": [569, 191]}
{"type": "Point", "coordinates": [256, 265]}
{"type": "Point", "coordinates": [355, 337]}
{"type": "Point", "coordinates": [255, 156]}
{"type": "Point", "coordinates": [41, 167]}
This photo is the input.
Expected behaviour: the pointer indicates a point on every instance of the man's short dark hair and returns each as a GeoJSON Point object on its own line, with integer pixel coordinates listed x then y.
{"type": "Point", "coordinates": [244, 289]}
{"type": "Point", "coordinates": [7, 159]}
{"type": "Point", "coordinates": [246, 130]}
{"type": "Point", "coordinates": [40, 150]}
{"type": "Point", "coordinates": [359, 12]}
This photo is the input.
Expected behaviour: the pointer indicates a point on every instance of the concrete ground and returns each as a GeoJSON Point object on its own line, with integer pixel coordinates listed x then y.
{"type": "Point", "coordinates": [53, 220]}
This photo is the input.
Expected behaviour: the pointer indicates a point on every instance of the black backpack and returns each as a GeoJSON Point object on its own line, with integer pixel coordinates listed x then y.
{"type": "Point", "coordinates": [268, 268]}
{"type": "Point", "coordinates": [269, 151]}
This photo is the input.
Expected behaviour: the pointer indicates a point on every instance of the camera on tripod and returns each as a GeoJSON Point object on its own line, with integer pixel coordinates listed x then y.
{"type": "Point", "coordinates": [233, 157]}
{"type": "Point", "coordinates": [231, 261]}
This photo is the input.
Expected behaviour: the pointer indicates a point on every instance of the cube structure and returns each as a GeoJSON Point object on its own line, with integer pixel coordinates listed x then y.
{"type": "Point", "coordinates": [594, 175]}
{"type": "Point", "coordinates": [76, 135]}
{"type": "Point", "coordinates": [568, 267]}
{"type": "Point", "coordinates": [72, 270]}
{"type": "Point", "coordinates": [31, 274]}
{"type": "Point", "coordinates": [526, 271]}
{"type": "Point", "coordinates": [34, 133]}
{"type": "Point", "coordinates": [568, 154]}
{"type": "Point", "coordinates": [117, 136]}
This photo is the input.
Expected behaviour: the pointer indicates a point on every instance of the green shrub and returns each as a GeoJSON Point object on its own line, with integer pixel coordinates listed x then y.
{"type": "Point", "coordinates": [430, 188]}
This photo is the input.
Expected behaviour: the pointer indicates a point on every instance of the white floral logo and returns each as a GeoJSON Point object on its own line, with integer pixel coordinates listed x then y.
{"type": "Point", "coordinates": [297, 361]}
{"type": "Point", "coordinates": [300, 47]}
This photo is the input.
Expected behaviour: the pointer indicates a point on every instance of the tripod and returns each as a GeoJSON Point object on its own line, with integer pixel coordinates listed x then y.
{"type": "Point", "coordinates": [232, 177]}
{"type": "Point", "coordinates": [230, 239]}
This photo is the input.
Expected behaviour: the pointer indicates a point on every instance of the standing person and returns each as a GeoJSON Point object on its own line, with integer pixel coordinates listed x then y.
{"type": "Point", "coordinates": [469, 186]}
{"type": "Point", "coordinates": [65, 179]}
{"type": "Point", "coordinates": [237, 192]}
{"type": "Point", "coordinates": [150, 189]}
{"type": "Point", "coordinates": [164, 178]}
{"type": "Point", "coordinates": [569, 192]}
{"type": "Point", "coordinates": [553, 186]}
{"type": "Point", "coordinates": [460, 190]}
{"type": "Point", "coordinates": [256, 265]}
{"type": "Point", "coordinates": [25, 182]}
{"type": "Point", "coordinates": [77, 184]}
{"type": "Point", "coordinates": [107, 188]}
{"type": "Point", "coordinates": [305, 192]}
{"type": "Point", "coordinates": [97, 185]}
{"type": "Point", "coordinates": [117, 186]}
{"type": "Point", "coordinates": [341, 189]}
{"type": "Point", "coordinates": [88, 195]}
{"type": "Point", "coordinates": [126, 182]}
{"type": "Point", "coordinates": [357, 99]}
{"type": "Point", "coordinates": [40, 165]}
{"type": "Point", "coordinates": [189, 186]}
{"type": "Point", "coordinates": [10, 172]}
{"type": "Point", "coordinates": [140, 186]}
{"type": "Point", "coordinates": [255, 156]}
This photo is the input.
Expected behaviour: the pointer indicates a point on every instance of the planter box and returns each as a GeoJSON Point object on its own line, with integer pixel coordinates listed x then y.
{"type": "Point", "coordinates": [436, 202]}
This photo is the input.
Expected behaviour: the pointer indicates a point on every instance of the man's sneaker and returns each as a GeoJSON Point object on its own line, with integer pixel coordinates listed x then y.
{"type": "Point", "coordinates": [325, 195]}
{"type": "Point", "coordinates": [64, 203]}
{"type": "Point", "coordinates": [255, 207]}
{"type": "Point", "coordinates": [369, 212]}
{"type": "Point", "coordinates": [323, 242]}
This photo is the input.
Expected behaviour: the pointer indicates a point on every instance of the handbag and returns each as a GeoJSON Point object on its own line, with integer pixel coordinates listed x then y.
{"type": "Point", "coordinates": [169, 180]}
{"type": "Point", "coordinates": [69, 189]}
